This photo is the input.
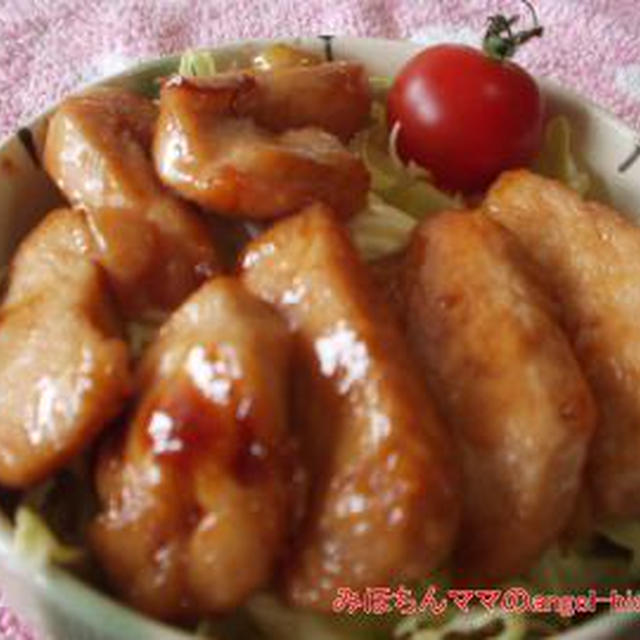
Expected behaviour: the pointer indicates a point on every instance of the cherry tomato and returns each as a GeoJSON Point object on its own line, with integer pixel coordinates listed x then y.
{"type": "Point", "coordinates": [464, 116]}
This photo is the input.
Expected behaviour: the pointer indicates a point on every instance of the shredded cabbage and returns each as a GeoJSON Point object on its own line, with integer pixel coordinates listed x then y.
{"type": "Point", "coordinates": [283, 623]}
{"type": "Point", "coordinates": [380, 86]}
{"type": "Point", "coordinates": [557, 160]}
{"type": "Point", "coordinates": [400, 195]}
{"type": "Point", "coordinates": [51, 519]}
{"type": "Point", "coordinates": [34, 540]}
{"type": "Point", "coordinates": [405, 187]}
{"type": "Point", "coordinates": [380, 229]}
{"type": "Point", "coordinates": [476, 623]}
{"type": "Point", "coordinates": [420, 199]}
{"type": "Point", "coordinates": [148, 80]}
{"type": "Point", "coordinates": [265, 617]}
{"type": "Point", "coordinates": [197, 63]}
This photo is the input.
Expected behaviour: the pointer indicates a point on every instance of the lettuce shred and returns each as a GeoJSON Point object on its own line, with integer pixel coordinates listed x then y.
{"type": "Point", "coordinates": [380, 86]}
{"type": "Point", "coordinates": [557, 159]}
{"type": "Point", "coordinates": [476, 623]}
{"type": "Point", "coordinates": [265, 617]}
{"type": "Point", "coordinates": [381, 229]}
{"type": "Point", "coordinates": [405, 187]}
{"type": "Point", "coordinates": [51, 519]}
{"type": "Point", "coordinates": [198, 63]}
{"type": "Point", "coordinates": [149, 80]}
{"type": "Point", "coordinates": [34, 540]}
{"type": "Point", "coordinates": [279, 622]}
{"type": "Point", "coordinates": [400, 195]}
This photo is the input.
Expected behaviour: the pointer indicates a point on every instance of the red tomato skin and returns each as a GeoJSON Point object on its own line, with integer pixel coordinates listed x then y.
{"type": "Point", "coordinates": [465, 116]}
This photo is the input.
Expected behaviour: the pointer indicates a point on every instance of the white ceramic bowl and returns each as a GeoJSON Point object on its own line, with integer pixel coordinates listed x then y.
{"type": "Point", "coordinates": [54, 604]}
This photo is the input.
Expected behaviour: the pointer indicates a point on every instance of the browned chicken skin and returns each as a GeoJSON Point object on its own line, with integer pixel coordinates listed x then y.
{"type": "Point", "coordinates": [263, 145]}
{"type": "Point", "coordinates": [153, 261]}
{"type": "Point", "coordinates": [334, 96]}
{"type": "Point", "coordinates": [383, 503]}
{"type": "Point", "coordinates": [63, 367]}
{"type": "Point", "coordinates": [507, 382]}
{"type": "Point", "coordinates": [97, 149]}
{"type": "Point", "coordinates": [153, 246]}
{"type": "Point", "coordinates": [590, 255]}
{"type": "Point", "coordinates": [196, 498]}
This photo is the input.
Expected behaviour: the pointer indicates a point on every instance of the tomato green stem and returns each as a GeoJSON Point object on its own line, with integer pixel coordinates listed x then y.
{"type": "Point", "coordinates": [501, 41]}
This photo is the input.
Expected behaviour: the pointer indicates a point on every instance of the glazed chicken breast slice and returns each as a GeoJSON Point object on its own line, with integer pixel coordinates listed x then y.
{"type": "Point", "coordinates": [153, 246]}
{"type": "Point", "coordinates": [196, 495]}
{"type": "Point", "coordinates": [263, 145]}
{"type": "Point", "coordinates": [63, 365]}
{"type": "Point", "coordinates": [333, 96]}
{"type": "Point", "coordinates": [590, 255]}
{"type": "Point", "coordinates": [156, 260]}
{"type": "Point", "coordinates": [505, 378]}
{"type": "Point", "coordinates": [383, 504]}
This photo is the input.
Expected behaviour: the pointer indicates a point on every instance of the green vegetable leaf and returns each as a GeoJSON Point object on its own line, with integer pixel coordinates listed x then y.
{"type": "Point", "coordinates": [405, 187]}
{"type": "Point", "coordinates": [380, 86]}
{"type": "Point", "coordinates": [283, 623]}
{"type": "Point", "coordinates": [381, 229]}
{"type": "Point", "coordinates": [33, 539]}
{"type": "Point", "coordinates": [197, 64]}
{"type": "Point", "coordinates": [420, 198]}
{"type": "Point", "coordinates": [496, 625]}
{"type": "Point", "coordinates": [400, 195]}
{"type": "Point", "coordinates": [148, 80]}
{"type": "Point", "coordinates": [556, 158]}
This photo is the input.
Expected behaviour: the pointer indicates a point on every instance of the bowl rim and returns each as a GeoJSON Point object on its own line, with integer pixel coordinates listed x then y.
{"type": "Point", "coordinates": [66, 591]}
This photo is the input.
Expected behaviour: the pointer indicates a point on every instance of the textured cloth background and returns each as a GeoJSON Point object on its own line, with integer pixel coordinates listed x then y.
{"type": "Point", "coordinates": [50, 47]}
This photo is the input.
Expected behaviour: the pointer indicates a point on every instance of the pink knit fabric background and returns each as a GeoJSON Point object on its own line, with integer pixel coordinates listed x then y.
{"type": "Point", "coordinates": [50, 47]}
